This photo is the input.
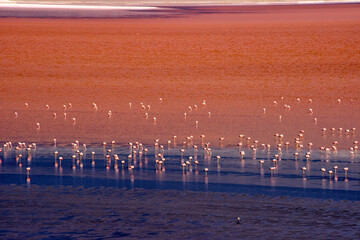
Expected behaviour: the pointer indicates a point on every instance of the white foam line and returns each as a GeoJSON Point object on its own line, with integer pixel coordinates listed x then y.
{"type": "Point", "coordinates": [299, 2]}
{"type": "Point", "coordinates": [85, 7]}
{"type": "Point", "coordinates": [324, 1]}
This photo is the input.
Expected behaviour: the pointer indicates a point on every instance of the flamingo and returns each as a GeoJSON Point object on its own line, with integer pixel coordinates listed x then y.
{"type": "Point", "coordinates": [28, 174]}
{"type": "Point", "coordinates": [310, 145]}
{"type": "Point", "coordinates": [272, 169]}
{"type": "Point", "coordinates": [346, 169]}
{"type": "Point", "coordinates": [196, 163]}
{"type": "Point", "coordinates": [242, 154]}
{"type": "Point", "coordinates": [274, 162]}
{"type": "Point", "coordinates": [93, 158]}
{"type": "Point", "coordinates": [323, 170]}
{"type": "Point", "coordinates": [183, 167]}
{"type": "Point", "coordinates": [204, 103]}
{"type": "Point", "coordinates": [95, 106]}
{"type": "Point", "coordinates": [330, 173]}
{"type": "Point", "coordinates": [20, 156]}
{"type": "Point", "coordinates": [261, 162]}
{"type": "Point", "coordinates": [60, 159]}
{"type": "Point", "coordinates": [303, 171]}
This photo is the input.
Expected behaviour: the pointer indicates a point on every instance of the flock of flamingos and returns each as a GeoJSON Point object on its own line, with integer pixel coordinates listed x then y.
{"type": "Point", "coordinates": [189, 163]}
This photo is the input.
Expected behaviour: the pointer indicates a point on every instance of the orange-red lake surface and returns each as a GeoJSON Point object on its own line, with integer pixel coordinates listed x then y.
{"type": "Point", "coordinates": [240, 59]}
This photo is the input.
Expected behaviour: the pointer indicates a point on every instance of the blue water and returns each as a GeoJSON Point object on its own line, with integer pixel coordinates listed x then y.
{"type": "Point", "coordinates": [231, 174]}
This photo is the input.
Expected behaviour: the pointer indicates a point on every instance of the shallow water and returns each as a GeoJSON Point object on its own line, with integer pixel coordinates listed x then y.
{"type": "Point", "coordinates": [230, 173]}
{"type": "Point", "coordinates": [72, 212]}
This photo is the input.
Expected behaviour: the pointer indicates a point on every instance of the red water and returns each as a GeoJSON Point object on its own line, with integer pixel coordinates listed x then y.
{"type": "Point", "coordinates": [238, 59]}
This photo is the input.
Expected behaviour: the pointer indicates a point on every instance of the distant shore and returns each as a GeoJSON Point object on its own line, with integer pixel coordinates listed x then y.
{"type": "Point", "coordinates": [121, 9]}
{"type": "Point", "coordinates": [114, 3]}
